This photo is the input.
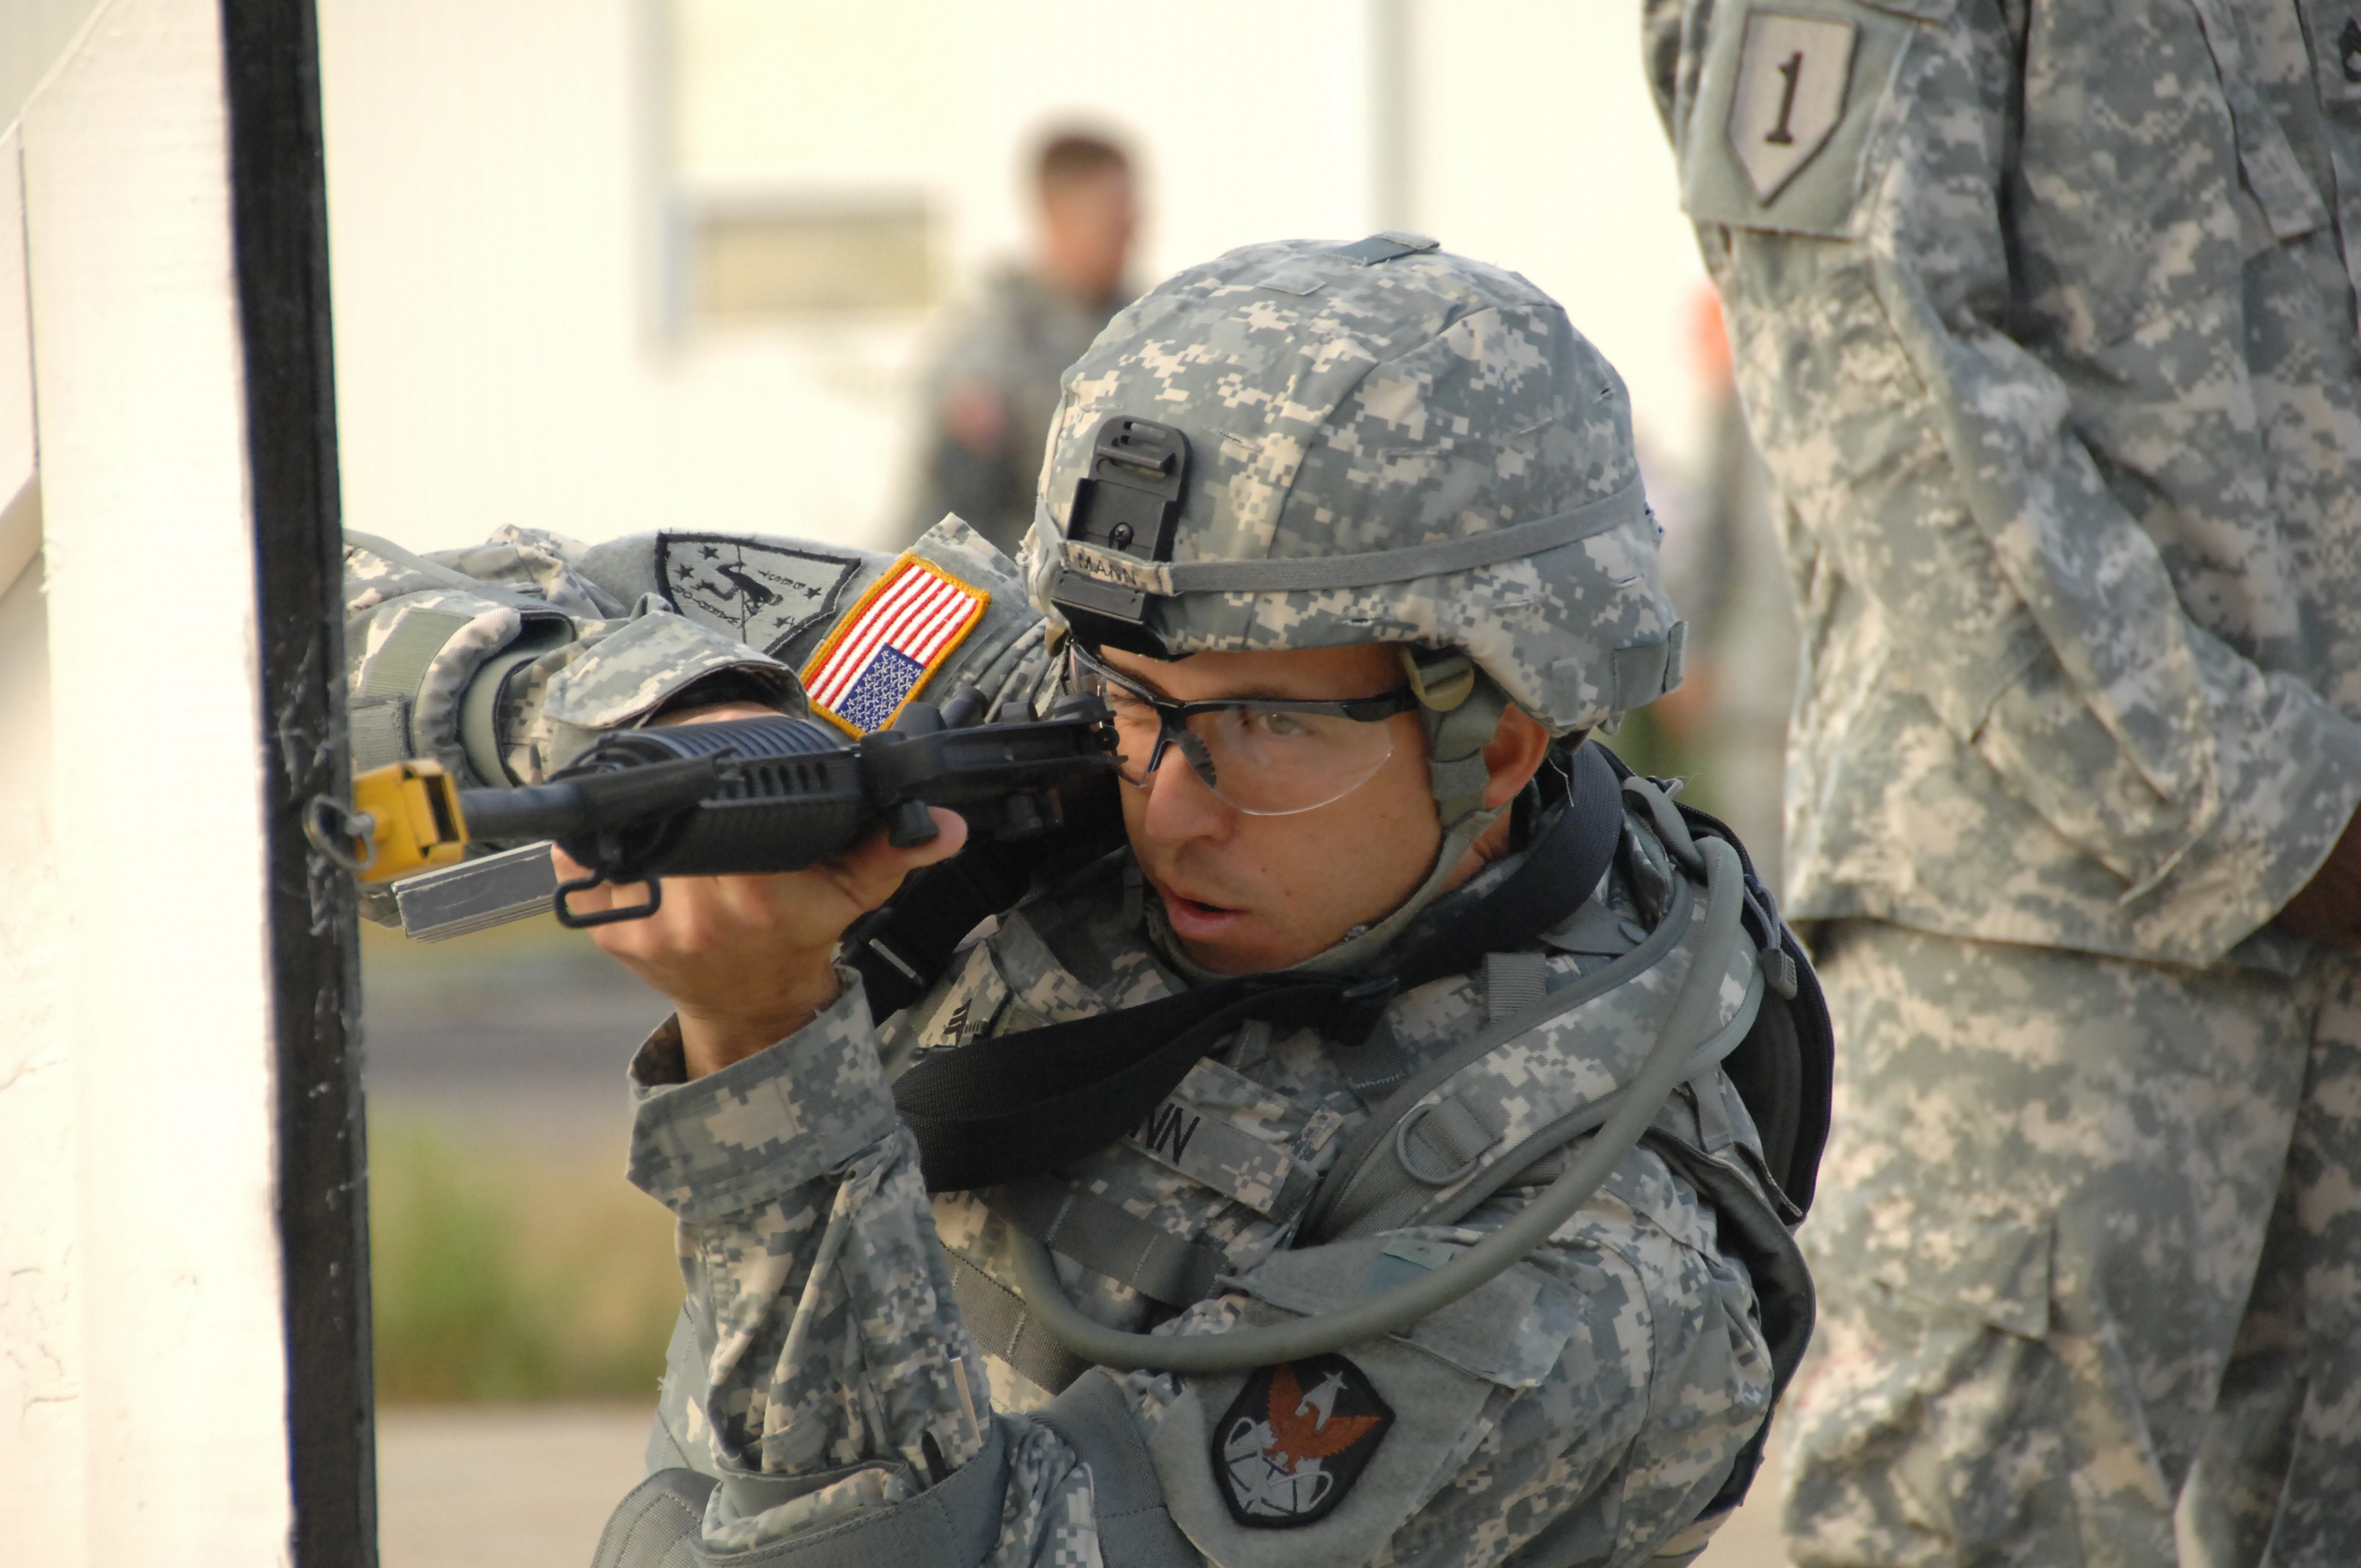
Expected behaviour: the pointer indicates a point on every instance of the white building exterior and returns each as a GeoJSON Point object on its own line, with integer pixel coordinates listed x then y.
{"type": "Point", "coordinates": [510, 181]}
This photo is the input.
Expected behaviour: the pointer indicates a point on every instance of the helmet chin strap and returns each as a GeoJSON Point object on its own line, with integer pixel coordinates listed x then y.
{"type": "Point", "coordinates": [1459, 708]}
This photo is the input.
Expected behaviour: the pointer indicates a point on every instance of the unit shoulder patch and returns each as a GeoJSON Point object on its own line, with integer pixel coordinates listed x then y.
{"type": "Point", "coordinates": [762, 594]}
{"type": "Point", "coordinates": [1792, 75]}
{"type": "Point", "coordinates": [896, 636]}
{"type": "Point", "coordinates": [1787, 104]}
{"type": "Point", "coordinates": [1295, 1440]}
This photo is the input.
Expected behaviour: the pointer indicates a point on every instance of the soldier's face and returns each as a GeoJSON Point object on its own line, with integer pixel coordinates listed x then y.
{"type": "Point", "coordinates": [1247, 893]}
{"type": "Point", "coordinates": [1087, 223]}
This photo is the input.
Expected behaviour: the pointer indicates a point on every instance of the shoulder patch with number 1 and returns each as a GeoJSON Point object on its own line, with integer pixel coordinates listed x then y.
{"type": "Point", "coordinates": [1790, 95]}
{"type": "Point", "coordinates": [1790, 98]}
{"type": "Point", "coordinates": [882, 651]}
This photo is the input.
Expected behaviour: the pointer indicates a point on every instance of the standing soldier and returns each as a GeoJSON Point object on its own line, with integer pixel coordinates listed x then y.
{"type": "Point", "coordinates": [1370, 1148]}
{"type": "Point", "coordinates": [994, 386]}
{"type": "Point", "coordinates": [2045, 318]}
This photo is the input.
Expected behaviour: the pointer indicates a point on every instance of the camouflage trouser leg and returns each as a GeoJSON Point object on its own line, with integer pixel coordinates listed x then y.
{"type": "Point", "coordinates": [2277, 1479]}
{"type": "Point", "coordinates": [2042, 1217]}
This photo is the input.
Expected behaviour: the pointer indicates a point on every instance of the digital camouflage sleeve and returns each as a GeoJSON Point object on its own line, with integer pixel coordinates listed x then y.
{"type": "Point", "coordinates": [2057, 379]}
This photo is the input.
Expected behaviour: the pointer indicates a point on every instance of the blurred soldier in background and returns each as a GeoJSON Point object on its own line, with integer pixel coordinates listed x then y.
{"type": "Point", "coordinates": [991, 393]}
{"type": "Point", "coordinates": [2045, 321]}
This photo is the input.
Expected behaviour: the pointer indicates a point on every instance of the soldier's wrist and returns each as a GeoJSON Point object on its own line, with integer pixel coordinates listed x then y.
{"type": "Point", "coordinates": [711, 1039]}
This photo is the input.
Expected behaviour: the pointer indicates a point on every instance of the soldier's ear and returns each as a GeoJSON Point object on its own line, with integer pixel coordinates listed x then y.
{"type": "Point", "coordinates": [1513, 755]}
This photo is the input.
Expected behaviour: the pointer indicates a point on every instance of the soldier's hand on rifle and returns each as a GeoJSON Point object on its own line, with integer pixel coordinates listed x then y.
{"type": "Point", "coordinates": [747, 961]}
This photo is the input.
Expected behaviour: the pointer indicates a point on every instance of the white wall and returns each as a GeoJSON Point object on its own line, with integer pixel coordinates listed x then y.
{"type": "Point", "coordinates": [496, 170]}
{"type": "Point", "coordinates": [33, 38]}
{"type": "Point", "coordinates": [41, 1330]}
{"type": "Point", "coordinates": [1542, 150]}
{"type": "Point", "coordinates": [142, 1372]}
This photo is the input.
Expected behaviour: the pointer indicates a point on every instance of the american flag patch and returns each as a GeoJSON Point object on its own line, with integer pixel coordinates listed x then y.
{"type": "Point", "coordinates": [882, 652]}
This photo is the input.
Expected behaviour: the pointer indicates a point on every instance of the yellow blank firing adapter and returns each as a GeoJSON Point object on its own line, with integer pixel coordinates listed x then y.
{"type": "Point", "coordinates": [405, 817]}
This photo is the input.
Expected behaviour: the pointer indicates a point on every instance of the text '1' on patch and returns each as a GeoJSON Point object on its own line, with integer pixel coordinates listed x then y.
{"type": "Point", "coordinates": [1295, 1440]}
{"type": "Point", "coordinates": [884, 650]}
{"type": "Point", "coordinates": [761, 594]}
{"type": "Point", "coordinates": [1793, 74]}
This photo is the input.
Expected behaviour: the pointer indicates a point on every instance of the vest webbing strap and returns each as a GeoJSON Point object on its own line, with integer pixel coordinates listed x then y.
{"type": "Point", "coordinates": [1108, 1239]}
{"type": "Point", "coordinates": [1136, 1529]}
{"type": "Point", "coordinates": [1002, 1328]}
{"type": "Point", "coordinates": [1364, 1179]}
{"type": "Point", "coordinates": [1035, 1101]}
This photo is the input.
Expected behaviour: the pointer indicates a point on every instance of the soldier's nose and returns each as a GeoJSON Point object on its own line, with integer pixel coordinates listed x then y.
{"type": "Point", "coordinates": [1179, 805]}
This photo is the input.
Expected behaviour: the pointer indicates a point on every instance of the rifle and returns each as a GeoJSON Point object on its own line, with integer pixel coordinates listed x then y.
{"type": "Point", "coordinates": [740, 796]}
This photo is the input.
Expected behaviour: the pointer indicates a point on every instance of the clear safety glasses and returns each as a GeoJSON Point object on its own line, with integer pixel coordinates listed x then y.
{"type": "Point", "coordinates": [1265, 756]}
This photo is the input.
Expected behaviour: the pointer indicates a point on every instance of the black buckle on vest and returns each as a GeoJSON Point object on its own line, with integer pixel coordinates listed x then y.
{"type": "Point", "coordinates": [1358, 1008]}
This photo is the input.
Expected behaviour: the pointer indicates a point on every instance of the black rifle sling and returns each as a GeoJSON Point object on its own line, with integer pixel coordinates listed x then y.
{"type": "Point", "coordinates": [1032, 1102]}
{"type": "Point", "coordinates": [901, 949]}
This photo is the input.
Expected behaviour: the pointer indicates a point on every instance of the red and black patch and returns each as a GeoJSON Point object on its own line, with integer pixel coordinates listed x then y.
{"type": "Point", "coordinates": [1295, 1440]}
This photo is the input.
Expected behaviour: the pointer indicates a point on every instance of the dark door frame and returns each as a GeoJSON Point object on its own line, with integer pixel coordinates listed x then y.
{"type": "Point", "coordinates": [279, 219]}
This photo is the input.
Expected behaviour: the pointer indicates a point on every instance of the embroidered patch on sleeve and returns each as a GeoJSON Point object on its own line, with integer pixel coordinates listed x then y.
{"type": "Point", "coordinates": [1295, 1440]}
{"type": "Point", "coordinates": [762, 594]}
{"type": "Point", "coordinates": [1790, 94]}
{"type": "Point", "coordinates": [1790, 97]}
{"type": "Point", "coordinates": [882, 651]}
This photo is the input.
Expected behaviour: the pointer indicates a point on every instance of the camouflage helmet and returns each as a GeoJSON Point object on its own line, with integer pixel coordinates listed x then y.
{"type": "Point", "coordinates": [1302, 445]}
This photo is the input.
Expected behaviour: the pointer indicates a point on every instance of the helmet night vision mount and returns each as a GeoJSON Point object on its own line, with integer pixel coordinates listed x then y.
{"type": "Point", "coordinates": [1129, 503]}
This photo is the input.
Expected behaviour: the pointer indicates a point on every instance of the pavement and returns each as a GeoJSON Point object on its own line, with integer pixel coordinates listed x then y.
{"type": "Point", "coordinates": [520, 1485]}
{"type": "Point", "coordinates": [530, 1486]}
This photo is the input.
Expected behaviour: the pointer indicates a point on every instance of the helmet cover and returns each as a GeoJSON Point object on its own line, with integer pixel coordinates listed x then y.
{"type": "Point", "coordinates": [1385, 443]}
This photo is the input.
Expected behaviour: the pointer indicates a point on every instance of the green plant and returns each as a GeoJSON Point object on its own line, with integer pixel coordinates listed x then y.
{"type": "Point", "coordinates": [502, 1277]}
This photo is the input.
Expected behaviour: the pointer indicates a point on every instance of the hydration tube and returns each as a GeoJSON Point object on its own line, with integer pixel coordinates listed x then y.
{"type": "Point", "coordinates": [1669, 1063]}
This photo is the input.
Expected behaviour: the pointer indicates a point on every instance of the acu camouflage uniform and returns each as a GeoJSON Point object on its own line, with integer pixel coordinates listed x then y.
{"type": "Point", "coordinates": [853, 1352]}
{"type": "Point", "coordinates": [2045, 318]}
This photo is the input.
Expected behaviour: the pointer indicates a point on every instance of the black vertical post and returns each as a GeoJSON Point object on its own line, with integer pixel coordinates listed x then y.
{"type": "Point", "coordinates": [279, 226]}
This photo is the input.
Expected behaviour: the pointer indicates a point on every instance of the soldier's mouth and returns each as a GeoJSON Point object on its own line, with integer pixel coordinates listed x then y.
{"type": "Point", "coordinates": [1196, 920]}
